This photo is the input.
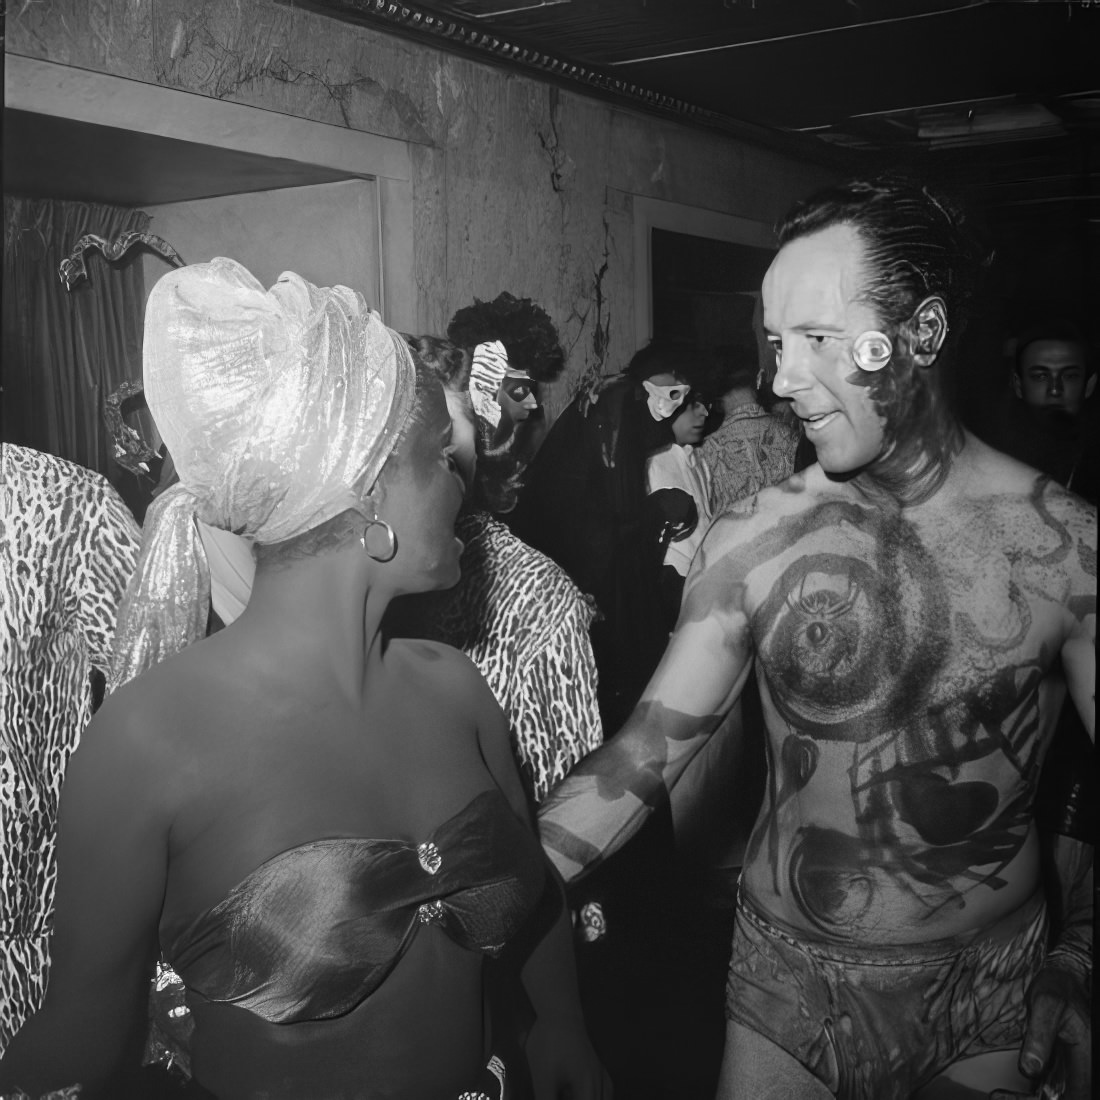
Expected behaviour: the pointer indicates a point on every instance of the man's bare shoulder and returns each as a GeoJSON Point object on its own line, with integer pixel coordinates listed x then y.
{"type": "Point", "coordinates": [1068, 508]}
{"type": "Point", "coordinates": [768, 509]}
{"type": "Point", "coordinates": [996, 477]}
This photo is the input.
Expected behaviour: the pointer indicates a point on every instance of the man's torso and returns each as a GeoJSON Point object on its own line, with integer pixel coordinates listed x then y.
{"type": "Point", "coordinates": [906, 666]}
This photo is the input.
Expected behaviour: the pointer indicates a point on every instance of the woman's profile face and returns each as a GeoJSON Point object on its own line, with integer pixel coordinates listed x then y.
{"type": "Point", "coordinates": [423, 491]}
{"type": "Point", "coordinates": [463, 436]}
{"type": "Point", "coordinates": [517, 396]}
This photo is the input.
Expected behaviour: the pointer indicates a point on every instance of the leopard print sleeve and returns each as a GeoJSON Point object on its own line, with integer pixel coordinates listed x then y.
{"type": "Point", "coordinates": [67, 548]}
{"type": "Point", "coordinates": [111, 543]}
{"type": "Point", "coordinates": [524, 623]}
{"type": "Point", "coordinates": [556, 718]}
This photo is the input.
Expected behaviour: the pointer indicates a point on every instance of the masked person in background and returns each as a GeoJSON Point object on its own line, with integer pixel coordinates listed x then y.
{"type": "Point", "coordinates": [585, 503]}
{"type": "Point", "coordinates": [514, 349]}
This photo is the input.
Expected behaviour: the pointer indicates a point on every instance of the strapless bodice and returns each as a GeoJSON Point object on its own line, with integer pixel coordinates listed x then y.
{"type": "Point", "coordinates": [313, 931]}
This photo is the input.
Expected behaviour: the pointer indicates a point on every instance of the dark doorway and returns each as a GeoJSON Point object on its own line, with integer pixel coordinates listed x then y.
{"type": "Point", "coordinates": [705, 292]}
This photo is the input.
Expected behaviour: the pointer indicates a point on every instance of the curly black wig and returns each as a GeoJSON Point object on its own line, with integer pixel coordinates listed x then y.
{"type": "Point", "coordinates": [525, 329]}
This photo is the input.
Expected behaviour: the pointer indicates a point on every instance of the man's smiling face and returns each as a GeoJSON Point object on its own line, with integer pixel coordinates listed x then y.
{"type": "Point", "coordinates": [812, 315]}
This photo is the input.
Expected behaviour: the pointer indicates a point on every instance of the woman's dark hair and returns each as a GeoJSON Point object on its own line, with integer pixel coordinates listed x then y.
{"type": "Point", "coordinates": [917, 244]}
{"type": "Point", "coordinates": [659, 357]}
{"type": "Point", "coordinates": [497, 479]}
{"type": "Point", "coordinates": [445, 360]}
{"type": "Point", "coordinates": [525, 329]}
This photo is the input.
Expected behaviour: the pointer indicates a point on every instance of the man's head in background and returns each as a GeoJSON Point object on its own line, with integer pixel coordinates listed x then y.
{"type": "Point", "coordinates": [1054, 373]}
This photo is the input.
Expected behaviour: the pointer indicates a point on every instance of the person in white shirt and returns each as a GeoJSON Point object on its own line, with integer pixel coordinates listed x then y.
{"type": "Point", "coordinates": [680, 465]}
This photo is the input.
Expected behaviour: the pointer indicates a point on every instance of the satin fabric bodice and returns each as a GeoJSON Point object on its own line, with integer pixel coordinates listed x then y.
{"type": "Point", "coordinates": [313, 931]}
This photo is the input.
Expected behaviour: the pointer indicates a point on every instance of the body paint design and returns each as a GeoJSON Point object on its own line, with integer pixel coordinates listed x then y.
{"type": "Point", "coordinates": [874, 649]}
{"type": "Point", "coordinates": [904, 670]}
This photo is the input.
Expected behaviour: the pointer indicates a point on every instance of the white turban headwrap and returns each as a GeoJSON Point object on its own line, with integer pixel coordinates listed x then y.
{"type": "Point", "coordinates": [487, 370]}
{"type": "Point", "coordinates": [279, 409]}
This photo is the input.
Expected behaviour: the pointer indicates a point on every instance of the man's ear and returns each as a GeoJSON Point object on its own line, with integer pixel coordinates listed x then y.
{"type": "Point", "coordinates": [1090, 385]}
{"type": "Point", "coordinates": [1017, 385]}
{"type": "Point", "coordinates": [928, 330]}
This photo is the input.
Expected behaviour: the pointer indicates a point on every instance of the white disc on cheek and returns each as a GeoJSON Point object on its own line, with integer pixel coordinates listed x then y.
{"type": "Point", "coordinates": [872, 351]}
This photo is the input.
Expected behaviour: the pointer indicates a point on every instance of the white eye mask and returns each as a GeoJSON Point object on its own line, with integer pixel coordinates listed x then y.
{"type": "Point", "coordinates": [487, 371]}
{"type": "Point", "coordinates": [663, 401]}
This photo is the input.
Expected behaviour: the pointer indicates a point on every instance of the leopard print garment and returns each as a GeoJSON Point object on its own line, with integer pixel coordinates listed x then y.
{"type": "Point", "coordinates": [524, 623]}
{"type": "Point", "coordinates": [68, 547]}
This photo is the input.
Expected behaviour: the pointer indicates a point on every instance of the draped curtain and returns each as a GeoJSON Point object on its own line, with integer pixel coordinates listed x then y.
{"type": "Point", "coordinates": [66, 351]}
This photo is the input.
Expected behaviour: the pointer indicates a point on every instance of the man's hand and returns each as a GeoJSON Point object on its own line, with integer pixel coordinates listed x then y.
{"type": "Point", "coordinates": [1057, 1043]}
{"type": "Point", "coordinates": [563, 1064]}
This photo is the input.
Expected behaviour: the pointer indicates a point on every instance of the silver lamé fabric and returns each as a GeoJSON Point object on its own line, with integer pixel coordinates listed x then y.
{"type": "Point", "coordinates": [275, 405]}
{"type": "Point", "coordinates": [167, 601]}
{"type": "Point", "coordinates": [279, 408]}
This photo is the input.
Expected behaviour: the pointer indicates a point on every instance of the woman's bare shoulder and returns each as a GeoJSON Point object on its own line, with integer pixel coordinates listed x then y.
{"type": "Point", "coordinates": [436, 665]}
{"type": "Point", "coordinates": [158, 719]}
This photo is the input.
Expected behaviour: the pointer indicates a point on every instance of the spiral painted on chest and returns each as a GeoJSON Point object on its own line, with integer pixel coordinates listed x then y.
{"type": "Point", "coordinates": [848, 645]}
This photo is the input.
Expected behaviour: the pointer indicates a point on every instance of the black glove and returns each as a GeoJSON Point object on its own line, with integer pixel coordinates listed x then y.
{"type": "Point", "coordinates": [672, 514]}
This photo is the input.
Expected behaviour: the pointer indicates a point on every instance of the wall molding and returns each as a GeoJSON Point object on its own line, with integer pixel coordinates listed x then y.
{"type": "Point", "coordinates": [81, 95]}
{"type": "Point", "coordinates": [451, 34]}
{"type": "Point", "coordinates": [49, 88]}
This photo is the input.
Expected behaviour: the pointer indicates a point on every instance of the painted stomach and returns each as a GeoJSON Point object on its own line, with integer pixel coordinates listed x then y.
{"type": "Point", "coordinates": [836, 888]}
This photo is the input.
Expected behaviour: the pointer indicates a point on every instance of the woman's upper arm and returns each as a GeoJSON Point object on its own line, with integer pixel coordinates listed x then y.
{"type": "Point", "coordinates": [494, 740]}
{"type": "Point", "coordinates": [111, 862]}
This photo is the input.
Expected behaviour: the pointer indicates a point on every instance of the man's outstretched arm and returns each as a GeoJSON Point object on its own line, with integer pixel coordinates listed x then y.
{"type": "Point", "coordinates": [607, 798]}
{"type": "Point", "coordinates": [1059, 1016]}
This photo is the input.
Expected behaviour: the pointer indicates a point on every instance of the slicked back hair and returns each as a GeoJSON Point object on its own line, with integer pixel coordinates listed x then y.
{"type": "Point", "coordinates": [659, 357]}
{"type": "Point", "coordinates": [917, 244]}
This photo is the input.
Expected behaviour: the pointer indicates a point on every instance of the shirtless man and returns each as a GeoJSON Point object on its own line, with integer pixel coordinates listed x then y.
{"type": "Point", "coordinates": [909, 601]}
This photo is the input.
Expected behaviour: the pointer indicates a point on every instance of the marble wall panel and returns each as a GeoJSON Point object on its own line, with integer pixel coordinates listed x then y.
{"type": "Point", "coordinates": [511, 175]}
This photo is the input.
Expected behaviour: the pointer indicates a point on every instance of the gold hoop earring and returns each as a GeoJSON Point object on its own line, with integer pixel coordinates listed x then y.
{"type": "Point", "coordinates": [391, 539]}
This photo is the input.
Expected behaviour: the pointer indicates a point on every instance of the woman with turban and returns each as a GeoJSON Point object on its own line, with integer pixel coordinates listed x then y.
{"type": "Point", "coordinates": [322, 832]}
